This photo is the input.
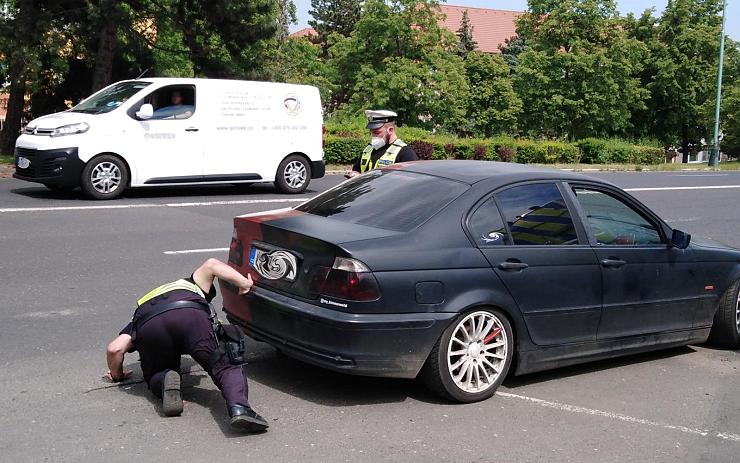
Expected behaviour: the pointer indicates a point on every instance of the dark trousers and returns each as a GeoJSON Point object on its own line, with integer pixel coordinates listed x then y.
{"type": "Point", "coordinates": [163, 339]}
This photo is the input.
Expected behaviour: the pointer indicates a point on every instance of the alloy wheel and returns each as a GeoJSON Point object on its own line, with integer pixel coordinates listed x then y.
{"type": "Point", "coordinates": [295, 174]}
{"type": "Point", "coordinates": [477, 352]}
{"type": "Point", "coordinates": [105, 177]}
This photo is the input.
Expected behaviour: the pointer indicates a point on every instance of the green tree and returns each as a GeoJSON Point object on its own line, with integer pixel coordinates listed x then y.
{"type": "Point", "coordinates": [680, 72]}
{"type": "Point", "coordinates": [399, 57]}
{"type": "Point", "coordinates": [466, 42]}
{"type": "Point", "coordinates": [333, 16]}
{"type": "Point", "coordinates": [579, 76]}
{"type": "Point", "coordinates": [730, 110]}
{"type": "Point", "coordinates": [510, 51]}
{"type": "Point", "coordinates": [298, 61]}
{"type": "Point", "coordinates": [493, 106]}
{"type": "Point", "coordinates": [223, 39]}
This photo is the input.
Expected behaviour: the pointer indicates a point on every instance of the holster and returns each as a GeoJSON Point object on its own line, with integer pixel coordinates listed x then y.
{"type": "Point", "coordinates": [232, 343]}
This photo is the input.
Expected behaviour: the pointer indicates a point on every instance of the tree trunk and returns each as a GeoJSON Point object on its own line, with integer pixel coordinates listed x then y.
{"type": "Point", "coordinates": [685, 143]}
{"type": "Point", "coordinates": [14, 115]}
{"type": "Point", "coordinates": [103, 74]}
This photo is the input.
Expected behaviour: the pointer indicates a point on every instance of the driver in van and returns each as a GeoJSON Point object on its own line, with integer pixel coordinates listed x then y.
{"type": "Point", "coordinates": [176, 109]}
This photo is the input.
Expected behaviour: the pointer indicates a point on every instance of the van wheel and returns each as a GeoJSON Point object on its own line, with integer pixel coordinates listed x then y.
{"type": "Point", "coordinates": [293, 174]}
{"type": "Point", "coordinates": [726, 327]}
{"type": "Point", "coordinates": [472, 358]}
{"type": "Point", "coordinates": [104, 177]}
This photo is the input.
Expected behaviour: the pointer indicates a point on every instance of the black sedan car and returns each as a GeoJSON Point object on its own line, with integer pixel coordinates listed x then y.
{"type": "Point", "coordinates": [457, 271]}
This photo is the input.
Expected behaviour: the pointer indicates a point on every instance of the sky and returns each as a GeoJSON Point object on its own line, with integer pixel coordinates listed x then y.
{"type": "Point", "coordinates": [625, 6]}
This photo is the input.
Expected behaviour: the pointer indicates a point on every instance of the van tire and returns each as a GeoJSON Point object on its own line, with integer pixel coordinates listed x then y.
{"type": "Point", "coordinates": [104, 177]}
{"type": "Point", "coordinates": [293, 174]}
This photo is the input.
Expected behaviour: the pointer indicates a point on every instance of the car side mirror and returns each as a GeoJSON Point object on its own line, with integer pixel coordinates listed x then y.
{"type": "Point", "coordinates": [680, 239]}
{"type": "Point", "coordinates": [145, 112]}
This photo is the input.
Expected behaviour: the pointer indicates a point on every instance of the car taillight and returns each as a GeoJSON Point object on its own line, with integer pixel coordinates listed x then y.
{"type": "Point", "coordinates": [351, 280]}
{"type": "Point", "coordinates": [236, 254]}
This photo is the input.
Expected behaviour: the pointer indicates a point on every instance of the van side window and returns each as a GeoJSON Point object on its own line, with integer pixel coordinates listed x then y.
{"type": "Point", "coordinates": [172, 102]}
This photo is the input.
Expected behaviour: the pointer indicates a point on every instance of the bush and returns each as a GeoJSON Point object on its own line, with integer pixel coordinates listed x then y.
{"type": "Point", "coordinates": [340, 150]}
{"type": "Point", "coordinates": [344, 146]}
{"type": "Point", "coordinates": [424, 149]}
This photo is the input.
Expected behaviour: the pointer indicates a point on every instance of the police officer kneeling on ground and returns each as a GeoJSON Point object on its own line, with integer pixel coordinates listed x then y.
{"type": "Point", "coordinates": [176, 319]}
{"type": "Point", "coordinates": [385, 147]}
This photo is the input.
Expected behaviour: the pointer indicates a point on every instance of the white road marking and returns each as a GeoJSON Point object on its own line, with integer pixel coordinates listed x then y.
{"type": "Point", "coordinates": [620, 417]}
{"type": "Point", "coordinates": [668, 188]}
{"type": "Point", "coordinates": [195, 251]}
{"type": "Point", "coordinates": [152, 205]}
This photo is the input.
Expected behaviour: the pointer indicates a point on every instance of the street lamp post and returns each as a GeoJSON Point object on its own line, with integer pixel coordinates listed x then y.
{"type": "Point", "coordinates": [714, 153]}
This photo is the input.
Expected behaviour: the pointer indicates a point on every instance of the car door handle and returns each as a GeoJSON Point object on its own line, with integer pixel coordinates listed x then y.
{"type": "Point", "coordinates": [191, 129]}
{"type": "Point", "coordinates": [512, 266]}
{"type": "Point", "coordinates": [612, 263]}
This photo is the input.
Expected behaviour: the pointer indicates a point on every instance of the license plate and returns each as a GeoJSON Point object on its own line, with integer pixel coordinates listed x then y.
{"type": "Point", "coordinates": [273, 265]}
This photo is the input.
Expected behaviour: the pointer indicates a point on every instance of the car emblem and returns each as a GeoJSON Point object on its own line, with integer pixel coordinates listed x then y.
{"type": "Point", "coordinates": [292, 105]}
{"type": "Point", "coordinates": [23, 163]}
{"type": "Point", "coordinates": [273, 265]}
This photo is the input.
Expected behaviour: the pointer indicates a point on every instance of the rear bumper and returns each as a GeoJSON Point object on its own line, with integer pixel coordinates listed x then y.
{"type": "Point", "coordinates": [57, 167]}
{"type": "Point", "coordinates": [388, 345]}
{"type": "Point", "coordinates": [318, 169]}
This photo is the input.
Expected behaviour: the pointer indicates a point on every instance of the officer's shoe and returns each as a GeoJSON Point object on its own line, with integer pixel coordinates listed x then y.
{"type": "Point", "coordinates": [244, 419]}
{"type": "Point", "coordinates": [171, 399]}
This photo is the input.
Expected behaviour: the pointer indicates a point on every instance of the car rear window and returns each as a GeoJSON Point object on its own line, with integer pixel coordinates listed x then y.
{"type": "Point", "coordinates": [392, 199]}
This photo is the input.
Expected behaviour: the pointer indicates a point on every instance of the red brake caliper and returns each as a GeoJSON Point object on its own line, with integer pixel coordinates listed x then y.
{"type": "Point", "coordinates": [491, 335]}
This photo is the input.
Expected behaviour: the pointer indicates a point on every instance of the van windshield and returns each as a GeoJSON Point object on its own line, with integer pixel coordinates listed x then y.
{"type": "Point", "coordinates": [110, 98]}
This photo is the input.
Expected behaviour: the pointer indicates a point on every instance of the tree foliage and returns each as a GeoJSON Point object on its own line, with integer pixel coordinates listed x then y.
{"type": "Point", "coordinates": [579, 75]}
{"type": "Point", "coordinates": [333, 16]}
{"type": "Point", "coordinates": [493, 106]}
{"type": "Point", "coordinates": [465, 43]}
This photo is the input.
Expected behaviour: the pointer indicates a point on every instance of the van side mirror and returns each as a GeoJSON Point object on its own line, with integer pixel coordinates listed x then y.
{"type": "Point", "coordinates": [145, 112]}
{"type": "Point", "coordinates": [680, 239]}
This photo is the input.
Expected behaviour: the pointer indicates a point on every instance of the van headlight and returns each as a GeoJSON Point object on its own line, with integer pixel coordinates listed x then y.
{"type": "Point", "coordinates": [71, 129]}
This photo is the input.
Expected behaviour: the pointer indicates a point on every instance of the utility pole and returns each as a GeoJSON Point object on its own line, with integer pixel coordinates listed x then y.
{"type": "Point", "coordinates": [714, 153]}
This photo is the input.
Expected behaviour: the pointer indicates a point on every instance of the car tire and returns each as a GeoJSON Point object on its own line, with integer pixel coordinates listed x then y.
{"type": "Point", "coordinates": [458, 367]}
{"type": "Point", "coordinates": [104, 177]}
{"type": "Point", "coordinates": [293, 174]}
{"type": "Point", "coordinates": [726, 327]}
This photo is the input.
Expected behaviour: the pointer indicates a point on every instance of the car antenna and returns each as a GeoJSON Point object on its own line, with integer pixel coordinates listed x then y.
{"type": "Point", "coordinates": [142, 74]}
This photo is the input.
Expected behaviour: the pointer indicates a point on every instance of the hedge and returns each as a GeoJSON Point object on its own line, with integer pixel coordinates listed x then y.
{"type": "Point", "coordinates": [345, 147]}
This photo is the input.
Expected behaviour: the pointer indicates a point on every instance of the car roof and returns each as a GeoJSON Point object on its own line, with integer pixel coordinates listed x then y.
{"type": "Point", "coordinates": [502, 173]}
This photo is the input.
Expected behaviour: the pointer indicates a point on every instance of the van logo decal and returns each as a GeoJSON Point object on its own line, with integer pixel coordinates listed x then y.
{"type": "Point", "coordinates": [292, 105]}
{"type": "Point", "coordinates": [274, 265]}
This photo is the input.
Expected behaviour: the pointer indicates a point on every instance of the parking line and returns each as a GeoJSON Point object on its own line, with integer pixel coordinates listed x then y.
{"type": "Point", "coordinates": [153, 205]}
{"type": "Point", "coordinates": [669, 188]}
{"type": "Point", "coordinates": [195, 251]}
{"type": "Point", "coordinates": [620, 417]}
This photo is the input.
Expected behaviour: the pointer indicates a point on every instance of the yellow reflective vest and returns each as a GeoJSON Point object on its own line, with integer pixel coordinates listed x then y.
{"type": "Point", "coordinates": [166, 288]}
{"type": "Point", "coordinates": [388, 158]}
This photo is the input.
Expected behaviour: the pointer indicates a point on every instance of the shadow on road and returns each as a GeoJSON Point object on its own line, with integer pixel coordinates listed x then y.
{"type": "Point", "coordinates": [314, 384]}
{"type": "Point", "coordinates": [513, 382]}
{"type": "Point", "coordinates": [162, 192]}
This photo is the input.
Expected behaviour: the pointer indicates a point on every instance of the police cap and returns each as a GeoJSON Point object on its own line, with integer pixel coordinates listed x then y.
{"type": "Point", "coordinates": [377, 117]}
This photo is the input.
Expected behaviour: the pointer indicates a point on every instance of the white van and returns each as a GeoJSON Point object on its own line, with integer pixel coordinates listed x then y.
{"type": "Point", "coordinates": [170, 131]}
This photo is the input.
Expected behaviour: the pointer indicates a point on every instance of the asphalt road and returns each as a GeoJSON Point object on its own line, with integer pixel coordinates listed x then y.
{"type": "Point", "coordinates": [70, 270]}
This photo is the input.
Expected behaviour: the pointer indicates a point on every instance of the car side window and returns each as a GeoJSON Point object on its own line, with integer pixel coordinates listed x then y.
{"type": "Point", "coordinates": [536, 214]}
{"type": "Point", "coordinates": [487, 226]}
{"type": "Point", "coordinates": [171, 102]}
{"type": "Point", "coordinates": [613, 222]}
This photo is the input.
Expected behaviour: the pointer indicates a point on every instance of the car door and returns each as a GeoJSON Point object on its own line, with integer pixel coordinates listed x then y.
{"type": "Point", "coordinates": [536, 252]}
{"type": "Point", "coordinates": [649, 286]}
{"type": "Point", "coordinates": [168, 147]}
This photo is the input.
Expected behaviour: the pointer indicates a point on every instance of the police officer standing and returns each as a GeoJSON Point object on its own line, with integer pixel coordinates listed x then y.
{"type": "Point", "coordinates": [385, 147]}
{"type": "Point", "coordinates": [176, 319]}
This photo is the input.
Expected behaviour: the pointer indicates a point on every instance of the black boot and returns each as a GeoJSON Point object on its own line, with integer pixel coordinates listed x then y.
{"type": "Point", "coordinates": [171, 399]}
{"type": "Point", "coordinates": [244, 419]}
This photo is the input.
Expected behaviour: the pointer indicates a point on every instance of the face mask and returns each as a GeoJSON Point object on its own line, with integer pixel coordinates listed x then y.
{"type": "Point", "coordinates": [377, 142]}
